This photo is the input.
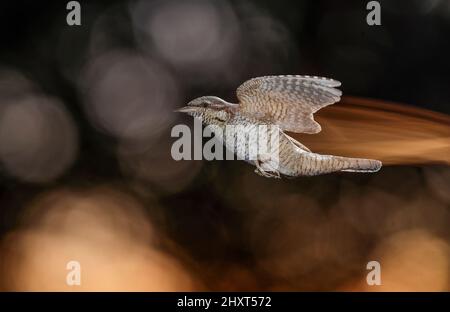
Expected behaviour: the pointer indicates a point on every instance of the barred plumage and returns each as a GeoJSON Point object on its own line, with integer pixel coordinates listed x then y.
{"type": "Point", "coordinates": [285, 103]}
{"type": "Point", "coordinates": [288, 101]}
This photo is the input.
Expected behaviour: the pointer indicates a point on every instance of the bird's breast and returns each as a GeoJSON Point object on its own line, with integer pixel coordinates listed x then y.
{"type": "Point", "coordinates": [248, 140]}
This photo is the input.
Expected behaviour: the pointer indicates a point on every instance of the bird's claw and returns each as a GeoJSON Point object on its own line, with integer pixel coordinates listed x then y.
{"type": "Point", "coordinates": [266, 173]}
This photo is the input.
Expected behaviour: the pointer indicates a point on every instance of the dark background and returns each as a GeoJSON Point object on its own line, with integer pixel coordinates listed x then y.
{"type": "Point", "coordinates": [221, 221]}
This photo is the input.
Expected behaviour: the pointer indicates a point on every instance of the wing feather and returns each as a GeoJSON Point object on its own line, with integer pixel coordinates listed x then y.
{"type": "Point", "coordinates": [289, 101]}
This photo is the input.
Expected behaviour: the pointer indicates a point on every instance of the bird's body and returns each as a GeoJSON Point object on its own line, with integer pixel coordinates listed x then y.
{"type": "Point", "coordinates": [274, 104]}
{"type": "Point", "coordinates": [289, 156]}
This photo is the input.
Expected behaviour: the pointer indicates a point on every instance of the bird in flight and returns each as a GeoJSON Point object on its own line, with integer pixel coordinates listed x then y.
{"type": "Point", "coordinates": [283, 103]}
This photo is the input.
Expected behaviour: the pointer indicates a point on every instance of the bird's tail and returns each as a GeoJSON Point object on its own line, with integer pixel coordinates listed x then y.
{"type": "Point", "coordinates": [358, 164]}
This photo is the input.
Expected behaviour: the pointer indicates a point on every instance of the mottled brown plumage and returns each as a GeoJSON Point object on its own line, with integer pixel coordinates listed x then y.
{"type": "Point", "coordinates": [284, 103]}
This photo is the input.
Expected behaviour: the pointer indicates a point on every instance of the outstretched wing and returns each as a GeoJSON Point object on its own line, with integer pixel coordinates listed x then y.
{"type": "Point", "coordinates": [288, 101]}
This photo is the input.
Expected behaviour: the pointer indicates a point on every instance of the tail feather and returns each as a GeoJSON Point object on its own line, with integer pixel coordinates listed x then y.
{"type": "Point", "coordinates": [360, 165]}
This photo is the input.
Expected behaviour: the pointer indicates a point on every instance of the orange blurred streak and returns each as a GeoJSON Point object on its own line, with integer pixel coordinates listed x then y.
{"type": "Point", "coordinates": [391, 132]}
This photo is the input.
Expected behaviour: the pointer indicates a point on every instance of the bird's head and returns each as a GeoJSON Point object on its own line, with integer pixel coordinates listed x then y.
{"type": "Point", "coordinates": [211, 109]}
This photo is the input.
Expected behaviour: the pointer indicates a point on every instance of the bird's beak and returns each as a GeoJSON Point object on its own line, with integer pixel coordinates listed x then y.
{"type": "Point", "coordinates": [186, 109]}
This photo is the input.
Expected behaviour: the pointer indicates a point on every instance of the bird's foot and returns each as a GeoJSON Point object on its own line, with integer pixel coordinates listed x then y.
{"type": "Point", "coordinates": [271, 173]}
{"type": "Point", "coordinates": [268, 174]}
